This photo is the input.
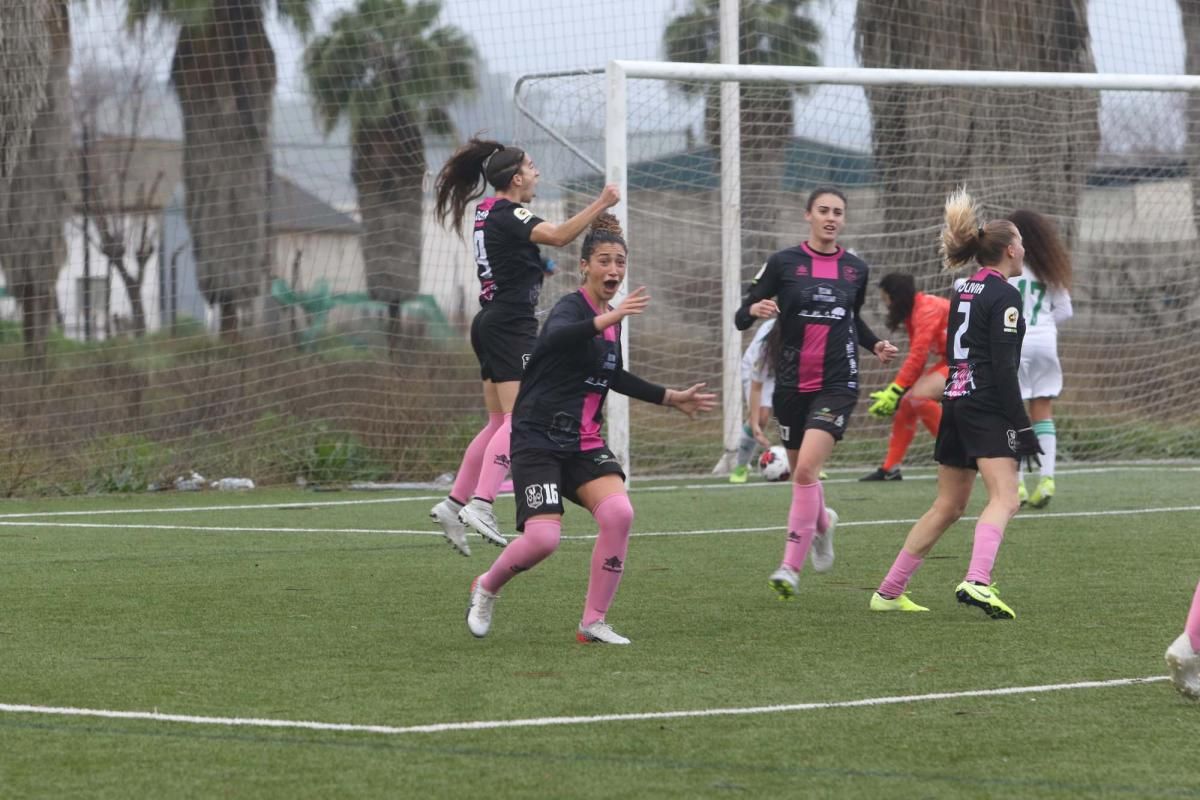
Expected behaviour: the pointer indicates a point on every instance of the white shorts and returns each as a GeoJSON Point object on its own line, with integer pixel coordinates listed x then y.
{"type": "Point", "coordinates": [1040, 373]}
{"type": "Point", "coordinates": [768, 389]}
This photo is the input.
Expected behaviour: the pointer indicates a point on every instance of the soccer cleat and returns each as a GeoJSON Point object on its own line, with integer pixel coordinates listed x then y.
{"type": "Point", "coordinates": [740, 474]}
{"type": "Point", "coordinates": [445, 514]}
{"type": "Point", "coordinates": [1042, 494]}
{"type": "Point", "coordinates": [1184, 665]}
{"type": "Point", "coordinates": [985, 597]}
{"type": "Point", "coordinates": [786, 582]}
{"type": "Point", "coordinates": [901, 603]}
{"type": "Point", "coordinates": [1022, 492]}
{"type": "Point", "coordinates": [599, 631]}
{"type": "Point", "coordinates": [479, 610]}
{"type": "Point", "coordinates": [882, 474]}
{"type": "Point", "coordinates": [821, 551]}
{"type": "Point", "coordinates": [478, 516]}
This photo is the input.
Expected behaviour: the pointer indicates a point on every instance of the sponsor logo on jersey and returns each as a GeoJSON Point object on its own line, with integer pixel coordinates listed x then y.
{"type": "Point", "coordinates": [523, 214]}
{"type": "Point", "coordinates": [1011, 315]}
{"type": "Point", "coordinates": [603, 457]}
{"type": "Point", "coordinates": [481, 214]}
{"type": "Point", "coordinates": [850, 274]}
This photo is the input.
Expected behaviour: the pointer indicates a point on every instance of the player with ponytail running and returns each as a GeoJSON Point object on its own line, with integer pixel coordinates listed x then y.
{"type": "Point", "coordinates": [984, 430]}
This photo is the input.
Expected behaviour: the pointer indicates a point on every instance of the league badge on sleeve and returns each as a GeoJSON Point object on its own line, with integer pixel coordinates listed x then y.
{"type": "Point", "coordinates": [1011, 316]}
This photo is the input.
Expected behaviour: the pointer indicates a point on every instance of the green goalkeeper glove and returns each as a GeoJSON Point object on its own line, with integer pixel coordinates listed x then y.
{"type": "Point", "coordinates": [886, 400]}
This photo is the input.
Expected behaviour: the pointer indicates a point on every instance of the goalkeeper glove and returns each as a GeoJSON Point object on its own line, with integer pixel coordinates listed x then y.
{"type": "Point", "coordinates": [1028, 448]}
{"type": "Point", "coordinates": [886, 400]}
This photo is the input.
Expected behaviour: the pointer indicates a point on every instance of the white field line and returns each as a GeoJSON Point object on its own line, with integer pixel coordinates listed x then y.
{"type": "Point", "coordinates": [635, 489]}
{"type": "Point", "coordinates": [540, 722]}
{"type": "Point", "coordinates": [1051, 515]}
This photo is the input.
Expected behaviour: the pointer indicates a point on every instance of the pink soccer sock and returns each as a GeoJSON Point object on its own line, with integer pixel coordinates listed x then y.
{"type": "Point", "coordinates": [898, 576]}
{"type": "Point", "coordinates": [495, 462]}
{"type": "Point", "coordinates": [531, 548]}
{"type": "Point", "coordinates": [983, 552]}
{"type": "Point", "coordinates": [1192, 628]}
{"type": "Point", "coordinates": [468, 472]}
{"type": "Point", "coordinates": [822, 516]}
{"type": "Point", "coordinates": [802, 523]}
{"type": "Point", "coordinates": [615, 515]}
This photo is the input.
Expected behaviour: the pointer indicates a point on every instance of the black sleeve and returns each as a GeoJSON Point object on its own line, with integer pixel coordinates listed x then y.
{"type": "Point", "coordinates": [569, 324]}
{"type": "Point", "coordinates": [516, 221]}
{"type": "Point", "coordinates": [866, 337]}
{"type": "Point", "coordinates": [764, 285]}
{"type": "Point", "coordinates": [631, 385]}
{"type": "Point", "coordinates": [1005, 344]}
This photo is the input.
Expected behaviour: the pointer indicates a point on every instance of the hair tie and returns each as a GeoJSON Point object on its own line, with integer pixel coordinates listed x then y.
{"type": "Point", "coordinates": [979, 232]}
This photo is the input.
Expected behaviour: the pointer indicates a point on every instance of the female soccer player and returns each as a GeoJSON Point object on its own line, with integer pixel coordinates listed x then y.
{"type": "Point", "coordinates": [1044, 284]}
{"type": "Point", "coordinates": [557, 450]}
{"type": "Point", "coordinates": [1183, 656]}
{"type": "Point", "coordinates": [506, 238]}
{"type": "Point", "coordinates": [916, 392]}
{"type": "Point", "coordinates": [818, 290]}
{"type": "Point", "coordinates": [984, 425]}
{"type": "Point", "coordinates": [758, 384]}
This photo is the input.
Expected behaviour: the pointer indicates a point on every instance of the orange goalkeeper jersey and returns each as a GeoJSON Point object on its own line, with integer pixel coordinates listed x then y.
{"type": "Point", "coordinates": [926, 334]}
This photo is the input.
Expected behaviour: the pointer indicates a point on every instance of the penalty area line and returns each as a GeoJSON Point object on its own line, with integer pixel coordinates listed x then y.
{"type": "Point", "coordinates": [539, 722]}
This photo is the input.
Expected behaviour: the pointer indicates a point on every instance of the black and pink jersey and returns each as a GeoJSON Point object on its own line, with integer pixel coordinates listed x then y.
{"type": "Point", "coordinates": [567, 378]}
{"type": "Point", "coordinates": [820, 297]}
{"type": "Point", "coordinates": [509, 264]}
{"type": "Point", "coordinates": [983, 345]}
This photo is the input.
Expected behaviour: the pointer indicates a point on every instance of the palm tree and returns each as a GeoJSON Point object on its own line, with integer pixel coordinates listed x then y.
{"type": "Point", "coordinates": [1020, 148]}
{"type": "Point", "coordinates": [33, 163]}
{"type": "Point", "coordinates": [389, 69]}
{"type": "Point", "coordinates": [771, 32]}
{"type": "Point", "coordinates": [223, 72]}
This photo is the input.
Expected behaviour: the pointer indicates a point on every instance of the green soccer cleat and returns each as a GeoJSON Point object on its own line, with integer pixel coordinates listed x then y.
{"type": "Point", "coordinates": [786, 582]}
{"type": "Point", "coordinates": [1042, 494]}
{"type": "Point", "coordinates": [901, 603]}
{"type": "Point", "coordinates": [985, 597]}
{"type": "Point", "coordinates": [740, 474]}
{"type": "Point", "coordinates": [1022, 493]}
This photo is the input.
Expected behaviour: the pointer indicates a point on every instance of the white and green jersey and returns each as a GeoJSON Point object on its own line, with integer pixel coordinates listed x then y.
{"type": "Point", "coordinates": [1045, 308]}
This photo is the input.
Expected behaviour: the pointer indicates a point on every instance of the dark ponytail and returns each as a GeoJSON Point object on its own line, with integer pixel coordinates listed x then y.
{"type": "Point", "coordinates": [902, 291]}
{"type": "Point", "coordinates": [459, 182]}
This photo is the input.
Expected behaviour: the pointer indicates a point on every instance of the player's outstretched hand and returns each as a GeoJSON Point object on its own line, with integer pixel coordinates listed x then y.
{"type": "Point", "coordinates": [886, 401]}
{"type": "Point", "coordinates": [691, 400]}
{"type": "Point", "coordinates": [885, 351]}
{"type": "Point", "coordinates": [634, 303]}
{"type": "Point", "coordinates": [610, 195]}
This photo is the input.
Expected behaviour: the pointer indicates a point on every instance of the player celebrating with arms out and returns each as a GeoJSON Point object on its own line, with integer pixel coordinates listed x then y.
{"type": "Point", "coordinates": [984, 425]}
{"type": "Point", "coordinates": [818, 290]}
{"type": "Point", "coordinates": [557, 450]}
{"type": "Point", "coordinates": [506, 236]}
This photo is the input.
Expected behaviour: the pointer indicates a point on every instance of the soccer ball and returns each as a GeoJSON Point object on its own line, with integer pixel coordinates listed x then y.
{"type": "Point", "coordinates": [773, 464]}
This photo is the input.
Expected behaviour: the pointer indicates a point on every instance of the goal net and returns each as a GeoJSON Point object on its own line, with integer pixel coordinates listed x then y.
{"type": "Point", "coordinates": [1104, 156]}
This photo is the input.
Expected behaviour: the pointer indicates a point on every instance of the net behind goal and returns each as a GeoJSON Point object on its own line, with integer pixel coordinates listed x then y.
{"type": "Point", "coordinates": [1104, 155]}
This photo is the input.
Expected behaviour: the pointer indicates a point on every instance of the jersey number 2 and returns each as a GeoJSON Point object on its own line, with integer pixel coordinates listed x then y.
{"type": "Point", "coordinates": [960, 352]}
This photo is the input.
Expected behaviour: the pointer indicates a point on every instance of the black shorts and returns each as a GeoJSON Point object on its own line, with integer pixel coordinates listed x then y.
{"type": "Point", "coordinates": [543, 478]}
{"type": "Point", "coordinates": [502, 339]}
{"type": "Point", "coordinates": [827, 410]}
{"type": "Point", "coordinates": [969, 432]}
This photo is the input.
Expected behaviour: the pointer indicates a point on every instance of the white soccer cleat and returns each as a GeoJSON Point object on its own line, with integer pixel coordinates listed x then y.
{"type": "Point", "coordinates": [445, 514]}
{"type": "Point", "coordinates": [599, 631]}
{"type": "Point", "coordinates": [821, 551]}
{"type": "Point", "coordinates": [786, 582]}
{"type": "Point", "coordinates": [479, 610]}
{"type": "Point", "coordinates": [1184, 665]}
{"type": "Point", "coordinates": [479, 516]}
